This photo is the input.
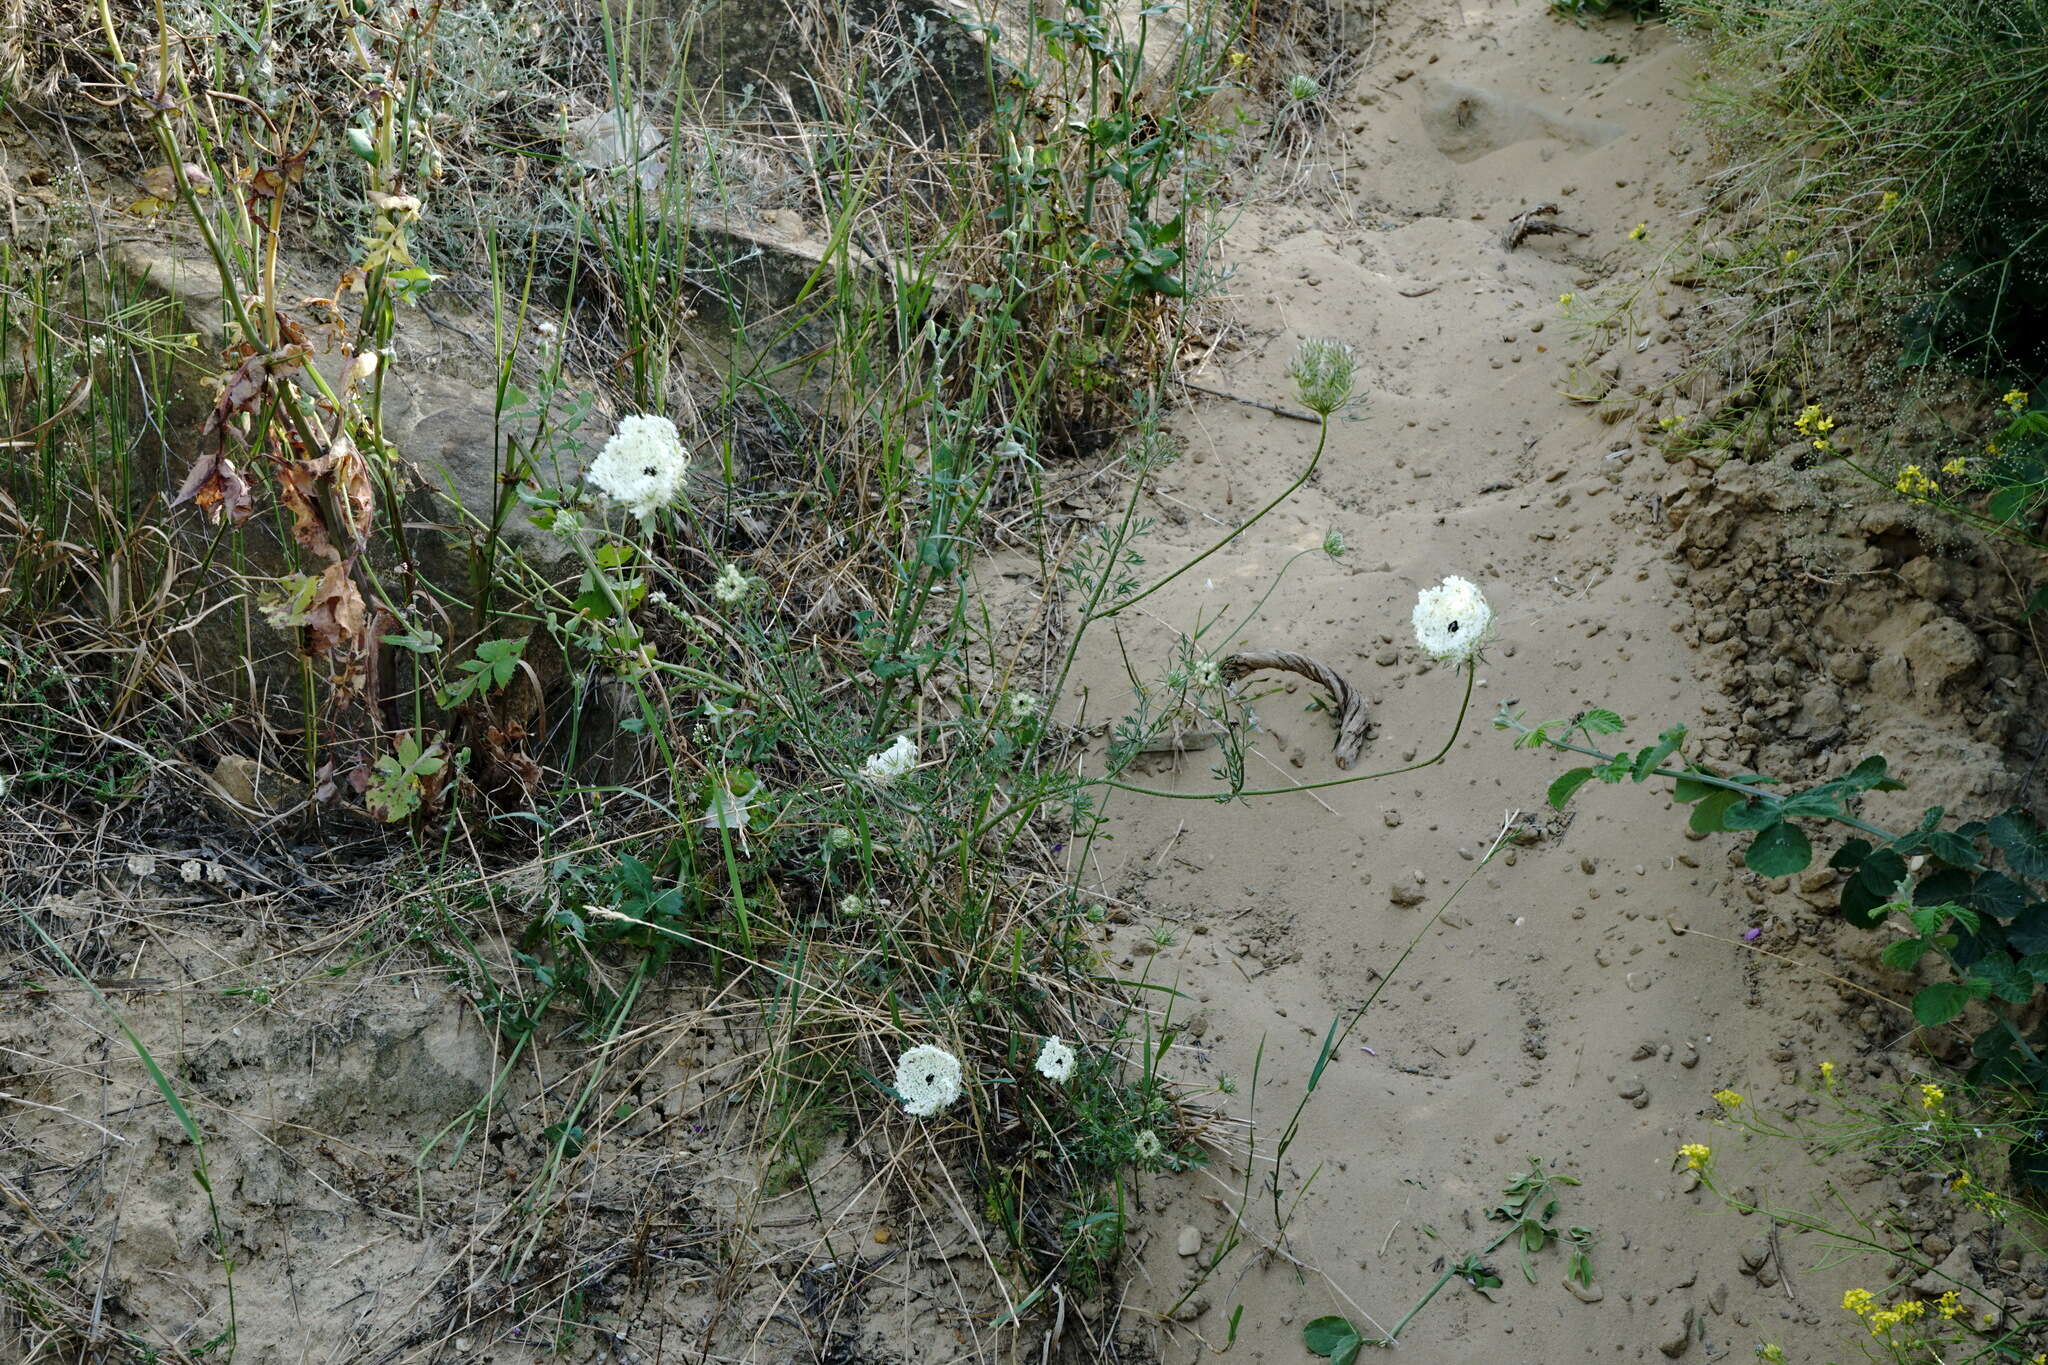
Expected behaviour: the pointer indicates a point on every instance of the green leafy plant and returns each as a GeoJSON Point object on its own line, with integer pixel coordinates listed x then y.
{"type": "Point", "coordinates": [1529, 1206]}
{"type": "Point", "coordinates": [1973, 892]}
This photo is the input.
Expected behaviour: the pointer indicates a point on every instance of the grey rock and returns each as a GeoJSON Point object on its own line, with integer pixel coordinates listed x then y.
{"type": "Point", "coordinates": [1678, 1337]}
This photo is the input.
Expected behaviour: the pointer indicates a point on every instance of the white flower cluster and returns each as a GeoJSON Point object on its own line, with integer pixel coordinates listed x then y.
{"type": "Point", "coordinates": [1452, 620]}
{"type": "Point", "coordinates": [732, 585]}
{"type": "Point", "coordinates": [886, 767]}
{"type": "Point", "coordinates": [641, 467]}
{"type": "Point", "coordinates": [1021, 707]}
{"type": "Point", "coordinates": [1055, 1060]}
{"type": "Point", "coordinates": [927, 1080]}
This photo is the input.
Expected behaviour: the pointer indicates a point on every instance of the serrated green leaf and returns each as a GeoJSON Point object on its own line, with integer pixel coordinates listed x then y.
{"type": "Point", "coordinates": [1781, 850]}
{"type": "Point", "coordinates": [2022, 841]}
{"type": "Point", "coordinates": [1997, 976]}
{"type": "Point", "coordinates": [1655, 754]}
{"type": "Point", "coordinates": [1600, 721]}
{"type": "Point", "coordinates": [1901, 955]}
{"type": "Point", "coordinates": [1565, 784]}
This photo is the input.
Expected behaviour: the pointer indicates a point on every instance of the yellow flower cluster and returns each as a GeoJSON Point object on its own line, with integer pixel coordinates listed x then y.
{"type": "Point", "coordinates": [1888, 201]}
{"type": "Point", "coordinates": [1772, 1353]}
{"type": "Point", "coordinates": [1931, 1097]}
{"type": "Point", "coordinates": [1827, 1074]}
{"type": "Point", "coordinates": [1638, 232]}
{"type": "Point", "coordinates": [1728, 1099]}
{"type": "Point", "coordinates": [1882, 1322]}
{"type": "Point", "coordinates": [1914, 483]}
{"type": "Point", "coordinates": [1954, 468]}
{"type": "Point", "coordinates": [1949, 1305]}
{"type": "Point", "coordinates": [1567, 300]}
{"type": "Point", "coordinates": [1813, 422]}
{"type": "Point", "coordinates": [1695, 1154]}
{"type": "Point", "coordinates": [2015, 399]}
{"type": "Point", "coordinates": [1860, 1302]}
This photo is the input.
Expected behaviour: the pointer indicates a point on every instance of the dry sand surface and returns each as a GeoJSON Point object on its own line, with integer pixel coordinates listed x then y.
{"type": "Point", "coordinates": [1553, 1012]}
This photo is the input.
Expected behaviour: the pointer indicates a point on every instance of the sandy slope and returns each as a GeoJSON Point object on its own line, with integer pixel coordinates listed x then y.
{"type": "Point", "coordinates": [1514, 1030]}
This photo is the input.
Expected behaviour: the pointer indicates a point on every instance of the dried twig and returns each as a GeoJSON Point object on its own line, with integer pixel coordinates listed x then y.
{"type": "Point", "coordinates": [1350, 705]}
{"type": "Point", "coordinates": [1291, 414]}
{"type": "Point", "coordinates": [1540, 221]}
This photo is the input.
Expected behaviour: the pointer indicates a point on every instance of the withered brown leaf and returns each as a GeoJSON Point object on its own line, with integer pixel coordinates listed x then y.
{"type": "Point", "coordinates": [335, 616]}
{"type": "Point", "coordinates": [216, 488]}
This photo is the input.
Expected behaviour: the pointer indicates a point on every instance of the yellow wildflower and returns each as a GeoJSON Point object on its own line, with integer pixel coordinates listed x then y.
{"type": "Point", "coordinates": [1991, 448]}
{"type": "Point", "coordinates": [1961, 1181]}
{"type": "Point", "coordinates": [1859, 1302]}
{"type": "Point", "coordinates": [1813, 421]}
{"type": "Point", "coordinates": [1827, 1074]}
{"type": "Point", "coordinates": [1774, 1354]}
{"type": "Point", "coordinates": [1638, 232]}
{"type": "Point", "coordinates": [2015, 400]}
{"type": "Point", "coordinates": [1728, 1099]}
{"type": "Point", "coordinates": [1567, 300]}
{"type": "Point", "coordinates": [1914, 483]}
{"type": "Point", "coordinates": [1791, 255]}
{"type": "Point", "coordinates": [1695, 1154]}
{"type": "Point", "coordinates": [1949, 1305]}
{"type": "Point", "coordinates": [1954, 468]}
{"type": "Point", "coordinates": [1888, 201]}
{"type": "Point", "coordinates": [1931, 1096]}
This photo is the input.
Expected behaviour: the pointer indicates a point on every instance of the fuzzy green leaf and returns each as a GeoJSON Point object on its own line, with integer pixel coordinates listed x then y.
{"type": "Point", "coordinates": [1324, 1336]}
{"type": "Point", "coordinates": [1565, 784]}
{"type": "Point", "coordinates": [1900, 956]}
{"type": "Point", "coordinates": [1780, 851]}
{"type": "Point", "coordinates": [1937, 1004]}
{"type": "Point", "coordinates": [1706, 816]}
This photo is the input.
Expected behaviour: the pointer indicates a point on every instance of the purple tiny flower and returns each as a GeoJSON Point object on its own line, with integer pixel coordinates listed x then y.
{"type": "Point", "coordinates": [1752, 935]}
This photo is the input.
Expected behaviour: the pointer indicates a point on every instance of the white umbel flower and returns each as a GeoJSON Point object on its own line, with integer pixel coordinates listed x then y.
{"type": "Point", "coordinates": [732, 585]}
{"type": "Point", "coordinates": [893, 762]}
{"type": "Point", "coordinates": [641, 467]}
{"type": "Point", "coordinates": [1055, 1060]}
{"type": "Point", "coordinates": [1452, 620]}
{"type": "Point", "coordinates": [927, 1080]}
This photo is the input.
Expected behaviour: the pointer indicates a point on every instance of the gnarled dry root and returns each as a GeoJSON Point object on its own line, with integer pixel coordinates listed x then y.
{"type": "Point", "coordinates": [1349, 705]}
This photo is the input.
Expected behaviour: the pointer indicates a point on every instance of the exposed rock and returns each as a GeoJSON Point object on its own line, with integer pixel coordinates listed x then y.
{"type": "Point", "coordinates": [1938, 654]}
{"type": "Point", "coordinates": [1678, 1337]}
{"type": "Point", "coordinates": [1407, 890]}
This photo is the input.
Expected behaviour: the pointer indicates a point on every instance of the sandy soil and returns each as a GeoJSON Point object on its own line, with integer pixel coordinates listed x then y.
{"type": "Point", "coordinates": [1554, 1012]}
